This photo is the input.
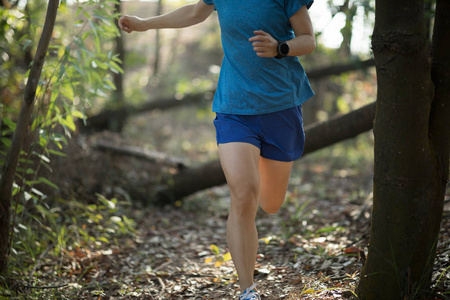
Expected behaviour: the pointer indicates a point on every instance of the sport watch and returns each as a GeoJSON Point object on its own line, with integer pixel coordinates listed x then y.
{"type": "Point", "coordinates": [283, 49]}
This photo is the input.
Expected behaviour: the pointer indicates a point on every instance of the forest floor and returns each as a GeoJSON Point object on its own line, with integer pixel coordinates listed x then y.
{"type": "Point", "coordinates": [313, 248]}
{"type": "Point", "coordinates": [309, 250]}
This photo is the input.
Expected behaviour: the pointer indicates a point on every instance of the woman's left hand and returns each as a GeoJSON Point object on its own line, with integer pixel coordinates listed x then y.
{"type": "Point", "coordinates": [264, 44]}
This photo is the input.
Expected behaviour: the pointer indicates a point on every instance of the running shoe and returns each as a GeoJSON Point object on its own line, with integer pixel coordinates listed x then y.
{"type": "Point", "coordinates": [250, 294]}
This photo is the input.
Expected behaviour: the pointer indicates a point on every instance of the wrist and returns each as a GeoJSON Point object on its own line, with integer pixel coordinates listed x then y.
{"type": "Point", "coordinates": [148, 24]}
{"type": "Point", "coordinates": [283, 49]}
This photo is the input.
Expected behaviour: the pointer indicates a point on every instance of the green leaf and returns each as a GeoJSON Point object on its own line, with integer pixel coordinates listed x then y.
{"type": "Point", "coordinates": [214, 249]}
{"type": "Point", "coordinates": [42, 157]}
{"type": "Point", "coordinates": [68, 121]}
{"type": "Point", "coordinates": [109, 84]}
{"type": "Point", "coordinates": [55, 93]}
{"type": "Point", "coordinates": [329, 229]}
{"type": "Point", "coordinates": [79, 9]}
{"type": "Point", "coordinates": [67, 91]}
{"type": "Point", "coordinates": [115, 66]}
{"type": "Point", "coordinates": [103, 239]}
{"type": "Point", "coordinates": [54, 152]}
{"type": "Point", "coordinates": [6, 142]}
{"type": "Point", "coordinates": [48, 182]}
{"type": "Point", "coordinates": [77, 114]}
{"type": "Point", "coordinates": [37, 192]}
{"type": "Point", "coordinates": [11, 124]}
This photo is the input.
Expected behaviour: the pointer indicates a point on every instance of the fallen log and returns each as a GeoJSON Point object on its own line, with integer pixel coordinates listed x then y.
{"type": "Point", "coordinates": [152, 156]}
{"type": "Point", "coordinates": [340, 68]}
{"type": "Point", "coordinates": [318, 136]}
{"type": "Point", "coordinates": [114, 119]}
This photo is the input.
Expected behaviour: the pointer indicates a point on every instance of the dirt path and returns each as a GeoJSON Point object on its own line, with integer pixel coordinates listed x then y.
{"type": "Point", "coordinates": [309, 250]}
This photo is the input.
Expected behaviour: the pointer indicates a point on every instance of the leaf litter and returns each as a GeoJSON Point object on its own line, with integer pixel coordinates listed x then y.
{"type": "Point", "coordinates": [313, 248]}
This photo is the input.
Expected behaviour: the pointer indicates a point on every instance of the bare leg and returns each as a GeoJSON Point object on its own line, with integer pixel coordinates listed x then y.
{"type": "Point", "coordinates": [274, 176]}
{"type": "Point", "coordinates": [240, 165]}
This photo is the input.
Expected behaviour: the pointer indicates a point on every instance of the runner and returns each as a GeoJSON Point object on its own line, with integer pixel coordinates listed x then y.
{"type": "Point", "coordinates": [259, 124]}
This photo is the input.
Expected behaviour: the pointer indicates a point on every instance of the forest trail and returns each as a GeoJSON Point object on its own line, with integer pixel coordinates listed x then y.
{"type": "Point", "coordinates": [309, 250]}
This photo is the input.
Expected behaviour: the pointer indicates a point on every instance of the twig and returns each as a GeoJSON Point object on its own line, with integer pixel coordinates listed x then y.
{"type": "Point", "coordinates": [179, 274]}
{"type": "Point", "coordinates": [162, 266]}
{"type": "Point", "coordinates": [163, 286]}
{"type": "Point", "coordinates": [46, 286]}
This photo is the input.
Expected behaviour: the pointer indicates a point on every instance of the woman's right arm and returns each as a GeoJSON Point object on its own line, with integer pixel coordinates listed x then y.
{"type": "Point", "coordinates": [182, 17]}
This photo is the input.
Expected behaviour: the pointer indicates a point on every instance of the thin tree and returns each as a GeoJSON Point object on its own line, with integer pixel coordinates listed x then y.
{"type": "Point", "coordinates": [156, 62]}
{"type": "Point", "coordinates": [9, 169]}
{"type": "Point", "coordinates": [411, 130]}
{"type": "Point", "coordinates": [118, 95]}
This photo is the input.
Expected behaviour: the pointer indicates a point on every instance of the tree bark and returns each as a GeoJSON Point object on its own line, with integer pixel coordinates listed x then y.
{"type": "Point", "coordinates": [9, 169]}
{"type": "Point", "coordinates": [411, 151]}
{"type": "Point", "coordinates": [318, 136]}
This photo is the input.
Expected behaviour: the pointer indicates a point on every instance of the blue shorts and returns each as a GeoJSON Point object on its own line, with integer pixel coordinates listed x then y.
{"type": "Point", "coordinates": [278, 135]}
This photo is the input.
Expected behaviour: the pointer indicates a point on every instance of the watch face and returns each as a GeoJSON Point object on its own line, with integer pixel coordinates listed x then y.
{"type": "Point", "coordinates": [284, 49]}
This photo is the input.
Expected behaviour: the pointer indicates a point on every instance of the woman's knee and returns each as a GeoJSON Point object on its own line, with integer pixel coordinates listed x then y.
{"type": "Point", "coordinates": [244, 201]}
{"type": "Point", "coordinates": [271, 205]}
{"type": "Point", "coordinates": [270, 208]}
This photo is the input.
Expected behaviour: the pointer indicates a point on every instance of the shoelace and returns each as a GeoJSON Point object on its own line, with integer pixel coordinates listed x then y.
{"type": "Point", "coordinates": [249, 294]}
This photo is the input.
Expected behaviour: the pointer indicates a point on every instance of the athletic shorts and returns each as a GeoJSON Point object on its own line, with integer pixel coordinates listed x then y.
{"type": "Point", "coordinates": [278, 135]}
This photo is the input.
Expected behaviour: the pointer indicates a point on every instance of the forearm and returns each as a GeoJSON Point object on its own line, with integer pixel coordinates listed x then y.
{"type": "Point", "coordinates": [182, 17]}
{"type": "Point", "coordinates": [301, 45]}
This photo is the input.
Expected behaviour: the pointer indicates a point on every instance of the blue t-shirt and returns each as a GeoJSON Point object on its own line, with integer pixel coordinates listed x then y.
{"type": "Point", "coordinates": [252, 85]}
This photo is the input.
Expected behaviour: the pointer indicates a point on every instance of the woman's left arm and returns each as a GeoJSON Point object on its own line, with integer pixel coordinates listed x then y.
{"type": "Point", "coordinates": [303, 43]}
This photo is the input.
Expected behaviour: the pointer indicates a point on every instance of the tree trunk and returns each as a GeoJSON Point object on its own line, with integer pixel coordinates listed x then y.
{"type": "Point", "coordinates": [347, 30]}
{"type": "Point", "coordinates": [411, 151]}
{"type": "Point", "coordinates": [318, 136]}
{"type": "Point", "coordinates": [9, 169]}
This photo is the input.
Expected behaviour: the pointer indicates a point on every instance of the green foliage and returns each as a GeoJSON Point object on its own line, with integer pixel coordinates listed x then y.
{"type": "Point", "coordinates": [53, 232]}
{"type": "Point", "coordinates": [75, 76]}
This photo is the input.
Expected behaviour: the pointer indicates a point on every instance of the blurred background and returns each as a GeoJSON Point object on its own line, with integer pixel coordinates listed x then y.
{"type": "Point", "coordinates": [153, 90]}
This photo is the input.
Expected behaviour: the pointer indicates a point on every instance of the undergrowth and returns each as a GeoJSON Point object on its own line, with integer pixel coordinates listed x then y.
{"type": "Point", "coordinates": [56, 239]}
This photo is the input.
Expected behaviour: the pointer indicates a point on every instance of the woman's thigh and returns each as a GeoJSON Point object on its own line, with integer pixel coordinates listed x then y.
{"type": "Point", "coordinates": [274, 178]}
{"type": "Point", "coordinates": [240, 164]}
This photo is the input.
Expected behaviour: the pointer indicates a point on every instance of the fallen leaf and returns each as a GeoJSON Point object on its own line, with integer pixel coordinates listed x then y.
{"type": "Point", "coordinates": [352, 250]}
{"type": "Point", "coordinates": [227, 256]}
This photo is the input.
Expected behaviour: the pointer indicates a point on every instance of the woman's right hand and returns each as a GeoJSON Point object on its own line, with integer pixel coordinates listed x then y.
{"type": "Point", "coordinates": [131, 23]}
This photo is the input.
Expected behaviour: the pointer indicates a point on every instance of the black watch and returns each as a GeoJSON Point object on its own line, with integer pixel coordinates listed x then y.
{"type": "Point", "coordinates": [283, 49]}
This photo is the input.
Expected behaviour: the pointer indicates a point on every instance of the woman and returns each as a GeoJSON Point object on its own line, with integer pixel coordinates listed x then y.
{"type": "Point", "coordinates": [258, 101]}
